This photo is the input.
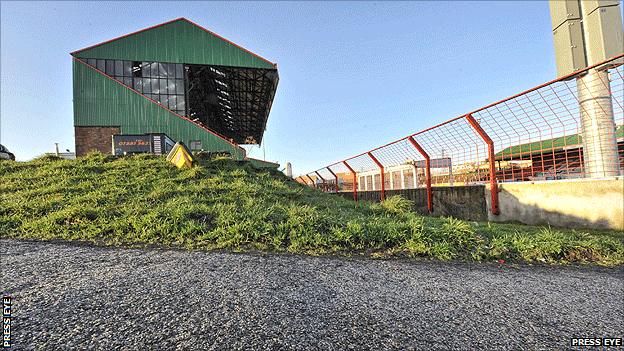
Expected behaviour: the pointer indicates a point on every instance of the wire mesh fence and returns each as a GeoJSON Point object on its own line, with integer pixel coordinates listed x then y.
{"type": "Point", "coordinates": [572, 127]}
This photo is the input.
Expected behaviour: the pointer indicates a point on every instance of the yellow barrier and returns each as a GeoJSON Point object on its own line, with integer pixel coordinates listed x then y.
{"type": "Point", "coordinates": [180, 156]}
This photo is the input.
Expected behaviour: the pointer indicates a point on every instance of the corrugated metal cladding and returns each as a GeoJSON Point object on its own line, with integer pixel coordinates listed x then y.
{"type": "Point", "coordinates": [176, 42]}
{"type": "Point", "coordinates": [101, 101]}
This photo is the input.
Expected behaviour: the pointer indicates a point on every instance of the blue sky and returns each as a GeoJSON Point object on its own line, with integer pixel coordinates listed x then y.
{"type": "Point", "coordinates": [353, 75]}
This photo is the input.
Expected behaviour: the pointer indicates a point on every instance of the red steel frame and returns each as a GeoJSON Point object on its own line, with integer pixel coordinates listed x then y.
{"type": "Point", "coordinates": [537, 132]}
{"type": "Point", "coordinates": [322, 179]}
{"type": "Point", "coordinates": [312, 180]}
{"type": "Point", "coordinates": [335, 178]}
{"type": "Point", "coordinates": [427, 172]}
{"type": "Point", "coordinates": [490, 144]}
{"type": "Point", "coordinates": [383, 179]}
{"type": "Point", "coordinates": [355, 196]}
{"type": "Point", "coordinates": [498, 102]}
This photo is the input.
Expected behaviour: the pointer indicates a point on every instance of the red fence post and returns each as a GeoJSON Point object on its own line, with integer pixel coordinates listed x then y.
{"type": "Point", "coordinates": [427, 172]}
{"type": "Point", "coordinates": [335, 177]}
{"type": "Point", "coordinates": [383, 180]}
{"type": "Point", "coordinates": [322, 179]}
{"type": "Point", "coordinates": [312, 180]}
{"type": "Point", "coordinates": [491, 156]}
{"type": "Point", "coordinates": [354, 180]}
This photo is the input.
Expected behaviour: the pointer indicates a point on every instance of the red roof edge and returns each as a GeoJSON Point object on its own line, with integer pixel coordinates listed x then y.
{"type": "Point", "coordinates": [222, 38]}
{"type": "Point", "coordinates": [165, 108]}
{"type": "Point", "coordinates": [126, 35]}
{"type": "Point", "coordinates": [168, 22]}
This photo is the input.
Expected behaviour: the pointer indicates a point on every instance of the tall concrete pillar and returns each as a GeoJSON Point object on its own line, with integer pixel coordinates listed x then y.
{"type": "Point", "coordinates": [600, 153]}
{"type": "Point", "coordinates": [585, 33]}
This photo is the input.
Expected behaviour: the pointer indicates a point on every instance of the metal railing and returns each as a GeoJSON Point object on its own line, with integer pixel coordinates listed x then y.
{"type": "Point", "coordinates": [538, 134]}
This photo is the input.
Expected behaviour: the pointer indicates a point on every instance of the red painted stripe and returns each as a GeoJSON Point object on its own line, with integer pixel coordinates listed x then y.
{"type": "Point", "coordinates": [161, 106]}
{"type": "Point", "coordinates": [126, 35]}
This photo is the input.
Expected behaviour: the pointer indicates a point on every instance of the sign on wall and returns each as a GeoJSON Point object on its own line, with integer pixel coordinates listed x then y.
{"type": "Point", "coordinates": [130, 144]}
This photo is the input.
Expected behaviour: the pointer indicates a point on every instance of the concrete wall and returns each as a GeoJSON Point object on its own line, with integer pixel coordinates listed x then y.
{"type": "Point", "coordinates": [582, 203]}
{"type": "Point", "coordinates": [465, 202]}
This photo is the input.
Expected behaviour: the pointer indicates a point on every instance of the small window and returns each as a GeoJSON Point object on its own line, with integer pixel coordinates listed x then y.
{"type": "Point", "coordinates": [155, 86]}
{"type": "Point", "coordinates": [127, 81]}
{"type": "Point", "coordinates": [92, 62]}
{"type": "Point", "coordinates": [408, 179]}
{"type": "Point", "coordinates": [101, 65]}
{"type": "Point", "coordinates": [170, 70]}
{"type": "Point", "coordinates": [171, 86]}
{"type": "Point", "coordinates": [162, 69]}
{"type": "Point", "coordinates": [179, 84]}
{"type": "Point", "coordinates": [154, 69]}
{"type": "Point", "coordinates": [369, 182]}
{"type": "Point", "coordinates": [110, 67]}
{"type": "Point", "coordinates": [144, 69]}
{"type": "Point", "coordinates": [396, 180]}
{"type": "Point", "coordinates": [172, 102]}
{"type": "Point", "coordinates": [127, 68]}
{"type": "Point", "coordinates": [119, 68]}
{"type": "Point", "coordinates": [138, 84]}
{"type": "Point", "coordinates": [163, 86]}
{"type": "Point", "coordinates": [387, 180]}
{"type": "Point", "coordinates": [181, 104]}
{"type": "Point", "coordinates": [145, 85]}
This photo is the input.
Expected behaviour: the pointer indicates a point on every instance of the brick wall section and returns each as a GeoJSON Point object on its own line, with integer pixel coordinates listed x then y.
{"type": "Point", "coordinates": [94, 138]}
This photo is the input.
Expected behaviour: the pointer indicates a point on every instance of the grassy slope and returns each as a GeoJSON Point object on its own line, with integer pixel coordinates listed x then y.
{"type": "Point", "coordinates": [222, 204]}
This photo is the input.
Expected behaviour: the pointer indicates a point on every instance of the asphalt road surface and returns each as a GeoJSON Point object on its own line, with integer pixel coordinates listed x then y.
{"type": "Point", "coordinates": [74, 296]}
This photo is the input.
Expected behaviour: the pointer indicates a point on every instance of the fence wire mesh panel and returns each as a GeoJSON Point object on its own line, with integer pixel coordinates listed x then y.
{"type": "Point", "coordinates": [345, 176]}
{"type": "Point", "coordinates": [368, 176]}
{"type": "Point", "coordinates": [572, 127]}
{"type": "Point", "coordinates": [539, 135]}
{"type": "Point", "coordinates": [403, 165]}
{"type": "Point", "coordinates": [326, 180]}
{"type": "Point", "coordinates": [458, 155]}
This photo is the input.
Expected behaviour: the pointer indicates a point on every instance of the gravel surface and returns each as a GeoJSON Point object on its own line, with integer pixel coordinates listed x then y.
{"type": "Point", "coordinates": [86, 297]}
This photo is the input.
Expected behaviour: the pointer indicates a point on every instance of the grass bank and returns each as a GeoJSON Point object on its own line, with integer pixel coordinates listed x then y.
{"type": "Point", "coordinates": [224, 204]}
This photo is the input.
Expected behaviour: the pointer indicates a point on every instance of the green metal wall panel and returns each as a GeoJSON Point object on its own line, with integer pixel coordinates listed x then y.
{"type": "Point", "coordinates": [101, 101]}
{"type": "Point", "coordinates": [176, 42]}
